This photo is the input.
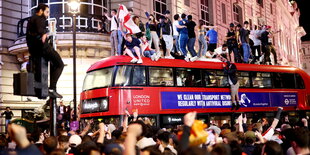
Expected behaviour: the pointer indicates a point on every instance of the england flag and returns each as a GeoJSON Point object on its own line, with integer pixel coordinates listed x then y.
{"type": "Point", "coordinates": [126, 20]}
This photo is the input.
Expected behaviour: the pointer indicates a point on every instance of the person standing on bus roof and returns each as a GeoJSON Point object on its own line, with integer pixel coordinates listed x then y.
{"type": "Point", "coordinates": [230, 69]}
{"type": "Point", "coordinates": [114, 32]}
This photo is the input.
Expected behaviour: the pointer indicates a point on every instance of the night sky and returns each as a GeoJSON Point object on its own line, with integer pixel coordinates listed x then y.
{"type": "Point", "coordinates": [304, 17]}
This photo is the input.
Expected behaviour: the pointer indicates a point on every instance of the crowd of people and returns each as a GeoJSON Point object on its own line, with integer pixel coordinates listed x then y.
{"type": "Point", "coordinates": [173, 39]}
{"type": "Point", "coordinates": [141, 136]}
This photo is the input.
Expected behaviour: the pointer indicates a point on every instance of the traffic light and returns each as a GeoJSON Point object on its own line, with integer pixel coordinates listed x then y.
{"type": "Point", "coordinates": [35, 82]}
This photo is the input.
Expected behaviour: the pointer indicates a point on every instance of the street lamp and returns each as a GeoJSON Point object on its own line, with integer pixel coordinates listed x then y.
{"type": "Point", "coordinates": [74, 8]}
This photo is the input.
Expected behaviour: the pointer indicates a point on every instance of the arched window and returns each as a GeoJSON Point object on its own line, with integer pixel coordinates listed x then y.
{"type": "Point", "coordinates": [237, 11]}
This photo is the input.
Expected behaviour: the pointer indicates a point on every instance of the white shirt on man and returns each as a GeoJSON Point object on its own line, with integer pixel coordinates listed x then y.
{"type": "Point", "coordinates": [219, 50]}
{"type": "Point", "coordinates": [175, 32]}
{"type": "Point", "coordinates": [255, 34]}
{"type": "Point", "coordinates": [113, 23]}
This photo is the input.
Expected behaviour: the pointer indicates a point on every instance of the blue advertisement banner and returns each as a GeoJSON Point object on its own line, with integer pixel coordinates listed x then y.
{"type": "Point", "coordinates": [196, 100]}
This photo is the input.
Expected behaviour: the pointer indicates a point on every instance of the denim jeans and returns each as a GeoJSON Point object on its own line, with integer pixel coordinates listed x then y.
{"type": "Point", "coordinates": [246, 52]}
{"type": "Point", "coordinates": [7, 121]}
{"type": "Point", "coordinates": [190, 46]}
{"type": "Point", "coordinates": [120, 40]}
{"type": "Point", "coordinates": [177, 48]}
{"type": "Point", "coordinates": [183, 38]}
{"type": "Point", "coordinates": [203, 46]}
{"type": "Point", "coordinates": [148, 54]}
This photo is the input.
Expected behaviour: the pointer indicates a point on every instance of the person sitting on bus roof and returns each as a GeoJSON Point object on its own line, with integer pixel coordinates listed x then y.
{"type": "Point", "coordinates": [133, 46]}
{"type": "Point", "coordinates": [147, 50]}
{"type": "Point", "coordinates": [218, 51]}
{"type": "Point", "coordinates": [230, 69]}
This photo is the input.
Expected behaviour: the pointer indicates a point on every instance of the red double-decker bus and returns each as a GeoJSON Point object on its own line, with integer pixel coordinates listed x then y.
{"type": "Point", "coordinates": [166, 89]}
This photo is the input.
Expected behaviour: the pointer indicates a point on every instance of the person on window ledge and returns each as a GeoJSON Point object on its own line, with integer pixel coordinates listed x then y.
{"type": "Point", "coordinates": [8, 116]}
{"type": "Point", "coordinates": [38, 46]}
{"type": "Point", "coordinates": [230, 70]}
{"type": "Point", "coordinates": [133, 46]}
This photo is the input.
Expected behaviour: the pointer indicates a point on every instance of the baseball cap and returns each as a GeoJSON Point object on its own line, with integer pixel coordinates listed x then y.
{"type": "Point", "coordinates": [231, 25]}
{"type": "Point", "coordinates": [75, 139]}
{"type": "Point", "coordinates": [145, 142]}
{"type": "Point", "coordinates": [215, 129]}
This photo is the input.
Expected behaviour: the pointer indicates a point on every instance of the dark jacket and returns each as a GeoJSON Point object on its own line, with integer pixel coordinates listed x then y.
{"type": "Point", "coordinates": [231, 71]}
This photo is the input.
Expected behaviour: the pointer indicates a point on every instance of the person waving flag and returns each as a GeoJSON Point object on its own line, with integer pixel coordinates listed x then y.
{"type": "Point", "coordinates": [126, 20]}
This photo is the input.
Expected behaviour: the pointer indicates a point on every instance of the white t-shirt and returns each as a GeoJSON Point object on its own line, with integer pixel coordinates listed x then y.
{"type": "Point", "coordinates": [220, 51]}
{"type": "Point", "coordinates": [61, 109]}
{"type": "Point", "coordinates": [255, 34]}
{"type": "Point", "coordinates": [175, 32]}
{"type": "Point", "coordinates": [113, 23]}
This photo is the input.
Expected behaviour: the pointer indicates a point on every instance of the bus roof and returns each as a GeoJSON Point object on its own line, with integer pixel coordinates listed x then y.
{"type": "Point", "coordinates": [125, 60]}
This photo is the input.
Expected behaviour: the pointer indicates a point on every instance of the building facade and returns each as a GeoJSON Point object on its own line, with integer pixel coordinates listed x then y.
{"type": "Point", "coordinates": [305, 56]}
{"type": "Point", "coordinates": [93, 45]}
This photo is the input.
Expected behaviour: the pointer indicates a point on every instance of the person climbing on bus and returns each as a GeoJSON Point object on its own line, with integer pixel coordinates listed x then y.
{"type": "Point", "coordinates": [230, 70]}
{"type": "Point", "coordinates": [133, 46]}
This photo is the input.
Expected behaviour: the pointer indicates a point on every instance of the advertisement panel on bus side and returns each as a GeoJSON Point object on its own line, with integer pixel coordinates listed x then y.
{"type": "Point", "coordinates": [196, 100]}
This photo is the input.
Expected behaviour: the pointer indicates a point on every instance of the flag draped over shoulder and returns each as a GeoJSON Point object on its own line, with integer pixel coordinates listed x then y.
{"type": "Point", "coordinates": [128, 23]}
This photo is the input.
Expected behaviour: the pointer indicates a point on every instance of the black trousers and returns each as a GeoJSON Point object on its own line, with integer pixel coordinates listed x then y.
{"type": "Point", "coordinates": [56, 64]}
{"type": "Point", "coordinates": [258, 48]}
{"type": "Point", "coordinates": [37, 50]}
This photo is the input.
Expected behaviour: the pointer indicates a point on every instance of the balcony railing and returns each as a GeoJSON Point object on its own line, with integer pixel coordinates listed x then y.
{"type": "Point", "coordinates": [64, 22]}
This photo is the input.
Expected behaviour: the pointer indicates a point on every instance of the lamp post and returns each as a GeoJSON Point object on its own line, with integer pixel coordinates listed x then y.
{"type": "Point", "coordinates": [74, 8]}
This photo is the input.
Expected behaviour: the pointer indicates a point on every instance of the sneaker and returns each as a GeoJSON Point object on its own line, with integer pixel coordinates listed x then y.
{"type": "Point", "coordinates": [169, 57]}
{"type": "Point", "coordinates": [53, 94]}
{"type": "Point", "coordinates": [153, 57]}
{"type": "Point", "coordinates": [193, 58]}
{"type": "Point", "coordinates": [134, 60]}
{"type": "Point", "coordinates": [237, 106]}
{"type": "Point", "coordinates": [233, 106]}
{"type": "Point", "coordinates": [157, 56]}
{"type": "Point", "coordinates": [140, 61]}
{"type": "Point", "coordinates": [186, 59]}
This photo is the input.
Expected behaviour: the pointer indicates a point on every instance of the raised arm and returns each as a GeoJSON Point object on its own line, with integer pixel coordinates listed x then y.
{"type": "Point", "coordinates": [19, 136]}
{"type": "Point", "coordinates": [134, 130]}
{"type": "Point", "coordinates": [101, 133]}
{"type": "Point", "coordinates": [240, 122]}
{"type": "Point", "coordinates": [84, 132]}
{"type": "Point", "coordinates": [189, 119]}
{"type": "Point", "coordinates": [109, 18]}
{"type": "Point", "coordinates": [269, 133]}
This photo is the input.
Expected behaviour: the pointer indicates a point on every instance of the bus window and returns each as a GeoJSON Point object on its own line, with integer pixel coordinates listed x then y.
{"type": "Point", "coordinates": [161, 76]}
{"type": "Point", "coordinates": [244, 79]}
{"type": "Point", "coordinates": [222, 80]}
{"type": "Point", "coordinates": [123, 76]}
{"type": "Point", "coordinates": [299, 82]}
{"type": "Point", "coordinates": [98, 79]}
{"type": "Point", "coordinates": [138, 78]}
{"type": "Point", "coordinates": [210, 78]}
{"type": "Point", "coordinates": [261, 80]}
{"type": "Point", "coordinates": [281, 80]}
{"type": "Point", "coordinates": [188, 77]}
